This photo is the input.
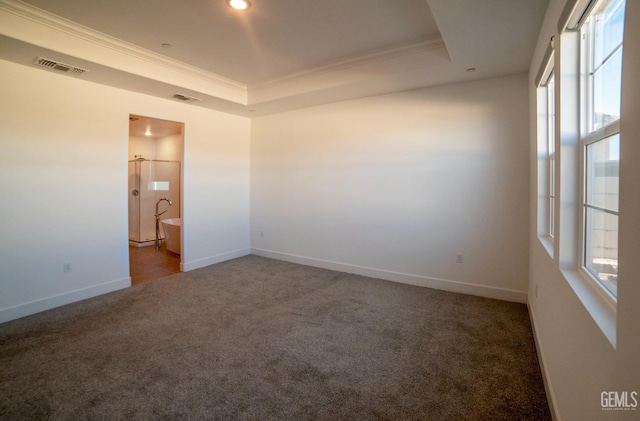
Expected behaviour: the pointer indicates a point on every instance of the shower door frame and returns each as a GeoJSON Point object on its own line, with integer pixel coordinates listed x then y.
{"type": "Point", "coordinates": [137, 219]}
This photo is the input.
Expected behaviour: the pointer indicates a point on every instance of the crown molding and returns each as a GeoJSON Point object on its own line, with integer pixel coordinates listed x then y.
{"type": "Point", "coordinates": [384, 62]}
{"type": "Point", "coordinates": [129, 56]}
{"type": "Point", "coordinates": [344, 64]}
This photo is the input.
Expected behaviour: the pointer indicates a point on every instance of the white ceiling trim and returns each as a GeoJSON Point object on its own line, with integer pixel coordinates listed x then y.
{"type": "Point", "coordinates": [358, 60]}
{"type": "Point", "coordinates": [382, 62]}
{"type": "Point", "coordinates": [35, 26]}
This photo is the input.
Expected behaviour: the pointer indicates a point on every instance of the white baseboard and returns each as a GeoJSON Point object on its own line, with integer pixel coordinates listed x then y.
{"type": "Point", "coordinates": [33, 307]}
{"type": "Point", "coordinates": [548, 388]}
{"type": "Point", "coordinates": [200, 263]}
{"type": "Point", "coordinates": [404, 278]}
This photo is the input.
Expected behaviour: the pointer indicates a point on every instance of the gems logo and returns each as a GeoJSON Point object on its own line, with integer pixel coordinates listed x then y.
{"type": "Point", "coordinates": [619, 401]}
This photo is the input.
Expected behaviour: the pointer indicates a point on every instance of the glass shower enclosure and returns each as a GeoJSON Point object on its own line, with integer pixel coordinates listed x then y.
{"type": "Point", "coordinates": [149, 181]}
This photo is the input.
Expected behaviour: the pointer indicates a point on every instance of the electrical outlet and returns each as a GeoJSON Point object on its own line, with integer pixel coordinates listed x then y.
{"type": "Point", "coordinates": [66, 267]}
{"type": "Point", "coordinates": [459, 258]}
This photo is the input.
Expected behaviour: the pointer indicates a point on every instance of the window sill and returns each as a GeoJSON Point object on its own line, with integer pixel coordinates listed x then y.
{"type": "Point", "coordinates": [547, 243]}
{"type": "Point", "coordinates": [599, 305]}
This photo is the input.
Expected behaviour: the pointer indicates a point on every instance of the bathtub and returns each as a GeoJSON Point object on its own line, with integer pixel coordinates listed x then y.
{"type": "Point", "coordinates": [172, 228]}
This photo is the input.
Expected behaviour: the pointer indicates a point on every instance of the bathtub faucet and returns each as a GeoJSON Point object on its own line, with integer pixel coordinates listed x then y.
{"type": "Point", "coordinates": [158, 204]}
{"type": "Point", "coordinates": [158, 220]}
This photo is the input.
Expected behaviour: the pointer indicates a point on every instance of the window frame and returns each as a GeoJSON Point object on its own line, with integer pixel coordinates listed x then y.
{"type": "Point", "coordinates": [551, 155]}
{"type": "Point", "coordinates": [571, 128]}
{"type": "Point", "coordinates": [590, 135]}
{"type": "Point", "coordinates": [547, 142]}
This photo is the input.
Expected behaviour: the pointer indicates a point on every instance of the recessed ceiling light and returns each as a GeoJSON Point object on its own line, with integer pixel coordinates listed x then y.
{"type": "Point", "coordinates": [166, 45]}
{"type": "Point", "coordinates": [471, 69]}
{"type": "Point", "coordinates": [239, 4]}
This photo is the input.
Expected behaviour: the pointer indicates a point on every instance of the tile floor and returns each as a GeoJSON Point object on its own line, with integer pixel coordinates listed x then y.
{"type": "Point", "coordinates": [148, 264]}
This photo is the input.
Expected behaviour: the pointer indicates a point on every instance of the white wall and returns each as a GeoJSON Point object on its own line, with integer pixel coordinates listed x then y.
{"type": "Point", "coordinates": [63, 188]}
{"type": "Point", "coordinates": [579, 361]}
{"type": "Point", "coordinates": [395, 186]}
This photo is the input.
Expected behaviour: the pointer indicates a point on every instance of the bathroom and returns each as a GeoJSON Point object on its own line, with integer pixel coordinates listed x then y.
{"type": "Point", "coordinates": [154, 197]}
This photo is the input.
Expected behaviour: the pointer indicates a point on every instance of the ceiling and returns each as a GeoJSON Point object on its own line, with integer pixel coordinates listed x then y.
{"type": "Point", "coordinates": [279, 54]}
{"type": "Point", "coordinates": [141, 125]}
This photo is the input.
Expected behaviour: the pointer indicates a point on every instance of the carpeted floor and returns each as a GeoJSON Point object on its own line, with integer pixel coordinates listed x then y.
{"type": "Point", "coordinates": [260, 339]}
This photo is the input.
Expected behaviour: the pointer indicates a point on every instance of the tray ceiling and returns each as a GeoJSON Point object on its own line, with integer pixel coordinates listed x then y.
{"type": "Point", "coordinates": [279, 54]}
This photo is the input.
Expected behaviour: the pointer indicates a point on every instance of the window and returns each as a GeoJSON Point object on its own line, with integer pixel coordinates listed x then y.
{"type": "Point", "coordinates": [546, 128]}
{"type": "Point", "coordinates": [601, 37]}
{"type": "Point", "coordinates": [588, 83]}
{"type": "Point", "coordinates": [551, 156]}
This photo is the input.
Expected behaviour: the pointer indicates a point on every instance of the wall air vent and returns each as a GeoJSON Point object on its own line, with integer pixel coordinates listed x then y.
{"type": "Point", "coordinates": [56, 65]}
{"type": "Point", "coordinates": [184, 98]}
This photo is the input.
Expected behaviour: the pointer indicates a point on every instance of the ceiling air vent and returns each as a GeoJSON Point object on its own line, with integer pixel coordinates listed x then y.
{"type": "Point", "coordinates": [184, 98]}
{"type": "Point", "coordinates": [56, 65]}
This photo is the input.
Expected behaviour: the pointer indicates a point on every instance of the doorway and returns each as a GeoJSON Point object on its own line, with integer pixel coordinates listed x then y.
{"type": "Point", "coordinates": [155, 198]}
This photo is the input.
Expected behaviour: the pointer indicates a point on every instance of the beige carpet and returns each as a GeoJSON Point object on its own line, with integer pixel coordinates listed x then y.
{"type": "Point", "coordinates": [260, 339]}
